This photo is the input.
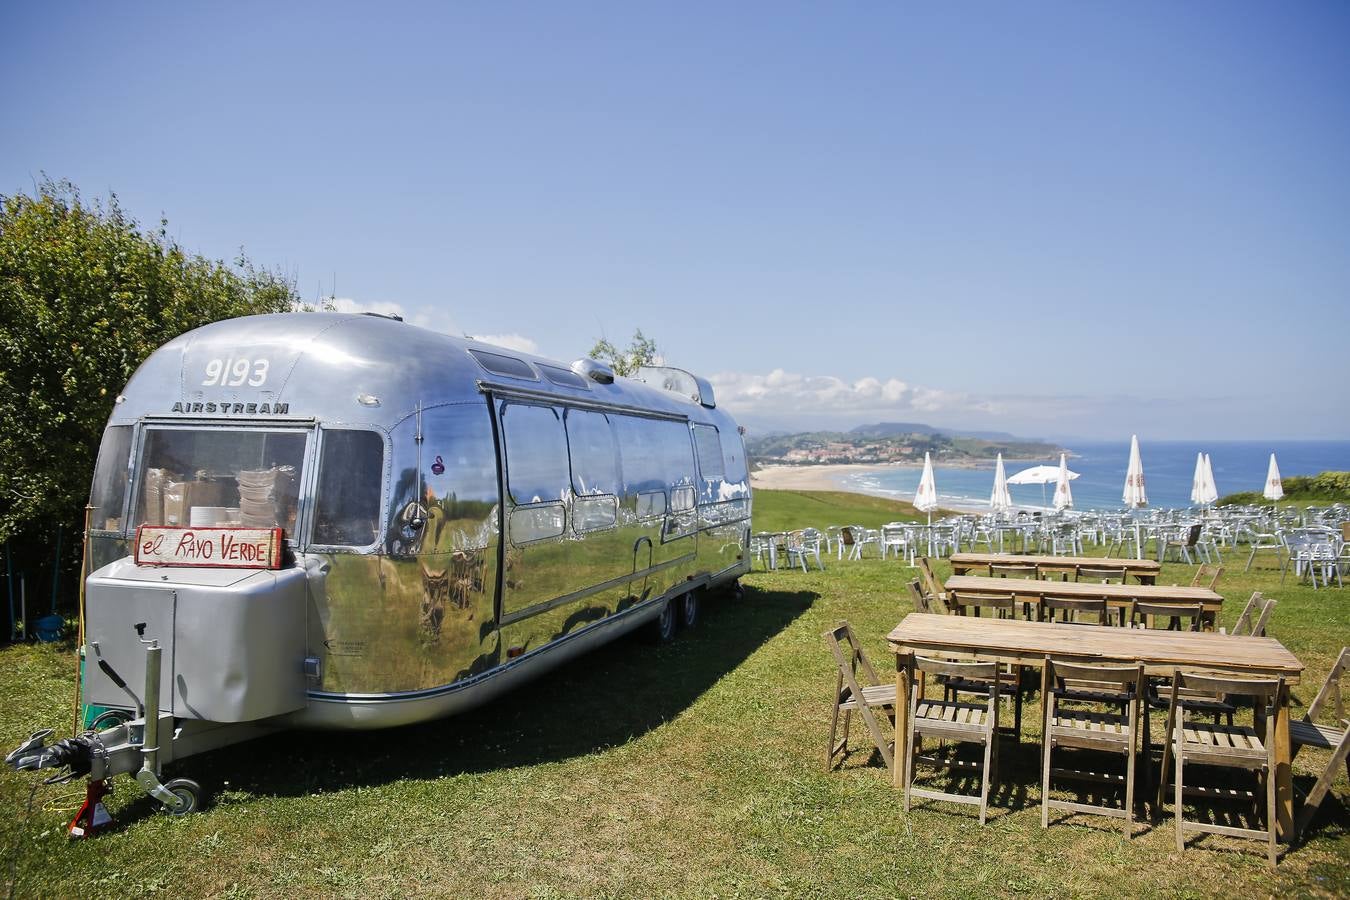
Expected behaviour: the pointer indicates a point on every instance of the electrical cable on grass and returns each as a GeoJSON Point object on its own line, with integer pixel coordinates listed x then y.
{"type": "Point", "coordinates": [18, 841]}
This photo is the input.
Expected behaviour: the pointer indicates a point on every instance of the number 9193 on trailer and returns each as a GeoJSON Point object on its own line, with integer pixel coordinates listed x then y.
{"type": "Point", "coordinates": [334, 521]}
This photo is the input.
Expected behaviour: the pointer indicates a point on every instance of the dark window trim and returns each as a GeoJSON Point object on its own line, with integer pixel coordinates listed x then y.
{"type": "Point", "coordinates": [313, 499]}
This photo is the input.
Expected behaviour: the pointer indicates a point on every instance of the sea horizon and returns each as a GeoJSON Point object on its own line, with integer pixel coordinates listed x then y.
{"type": "Point", "coordinates": [1169, 466]}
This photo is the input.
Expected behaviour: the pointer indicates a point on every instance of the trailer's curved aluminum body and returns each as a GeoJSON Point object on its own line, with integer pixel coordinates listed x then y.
{"type": "Point", "coordinates": [459, 517]}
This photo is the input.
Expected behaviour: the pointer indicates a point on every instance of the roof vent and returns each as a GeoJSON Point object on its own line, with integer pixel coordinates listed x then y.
{"type": "Point", "coordinates": [595, 371]}
{"type": "Point", "coordinates": [678, 381]}
{"type": "Point", "coordinates": [383, 316]}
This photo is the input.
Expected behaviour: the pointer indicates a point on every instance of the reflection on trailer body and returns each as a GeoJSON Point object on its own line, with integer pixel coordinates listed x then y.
{"type": "Point", "coordinates": [457, 518]}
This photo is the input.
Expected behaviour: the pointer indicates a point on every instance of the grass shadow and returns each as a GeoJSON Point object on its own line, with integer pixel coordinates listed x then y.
{"type": "Point", "coordinates": [608, 697]}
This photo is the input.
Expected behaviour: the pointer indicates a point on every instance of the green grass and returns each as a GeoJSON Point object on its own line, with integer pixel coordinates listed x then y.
{"type": "Point", "coordinates": [1301, 490]}
{"type": "Point", "coordinates": [786, 510]}
{"type": "Point", "coordinates": [690, 769]}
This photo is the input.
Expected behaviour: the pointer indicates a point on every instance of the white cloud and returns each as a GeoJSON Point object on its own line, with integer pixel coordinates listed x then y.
{"type": "Point", "coordinates": [434, 320]}
{"type": "Point", "coordinates": [348, 305]}
{"type": "Point", "coordinates": [518, 342]}
{"type": "Point", "coordinates": [782, 392]}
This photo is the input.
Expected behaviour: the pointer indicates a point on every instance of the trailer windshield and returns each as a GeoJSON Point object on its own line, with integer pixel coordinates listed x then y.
{"type": "Point", "coordinates": [198, 477]}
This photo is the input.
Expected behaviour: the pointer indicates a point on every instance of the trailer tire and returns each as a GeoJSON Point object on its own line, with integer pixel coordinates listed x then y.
{"type": "Point", "coordinates": [110, 718]}
{"type": "Point", "coordinates": [737, 591]}
{"type": "Point", "coordinates": [189, 794]}
{"type": "Point", "coordinates": [689, 609]}
{"type": "Point", "coordinates": [662, 629]}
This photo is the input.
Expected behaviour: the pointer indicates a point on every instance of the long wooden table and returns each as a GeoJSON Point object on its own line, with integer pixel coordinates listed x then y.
{"type": "Point", "coordinates": [1118, 597]}
{"type": "Point", "coordinates": [1017, 642]}
{"type": "Point", "coordinates": [1144, 570]}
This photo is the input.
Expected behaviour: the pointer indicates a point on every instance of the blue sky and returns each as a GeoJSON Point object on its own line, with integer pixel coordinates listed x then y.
{"type": "Point", "coordinates": [1053, 219]}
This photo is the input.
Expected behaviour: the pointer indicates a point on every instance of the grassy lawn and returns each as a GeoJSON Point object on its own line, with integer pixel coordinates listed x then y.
{"type": "Point", "coordinates": [693, 769]}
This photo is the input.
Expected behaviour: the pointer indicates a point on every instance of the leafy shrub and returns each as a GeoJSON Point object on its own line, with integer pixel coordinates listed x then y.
{"type": "Point", "coordinates": [85, 296]}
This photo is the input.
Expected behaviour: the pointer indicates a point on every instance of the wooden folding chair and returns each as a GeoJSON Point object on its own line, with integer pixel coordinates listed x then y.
{"type": "Point", "coordinates": [1001, 606]}
{"type": "Point", "coordinates": [1259, 627]}
{"type": "Point", "coordinates": [1207, 576]}
{"type": "Point", "coordinates": [923, 602]}
{"type": "Point", "coordinates": [1243, 625]}
{"type": "Point", "coordinates": [1336, 738]}
{"type": "Point", "coordinates": [935, 592]}
{"type": "Point", "coordinates": [1146, 615]}
{"type": "Point", "coordinates": [1013, 570]}
{"type": "Point", "coordinates": [1103, 574]}
{"type": "Point", "coordinates": [951, 720]}
{"type": "Point", "coordinates": [1227, 746]}
{"type": "Point", "coordinates": [1091, 729]}
{"type": "Point", "coordinates": [1073, 610]}
{"type": "Point", "coordinates": [850, 695]}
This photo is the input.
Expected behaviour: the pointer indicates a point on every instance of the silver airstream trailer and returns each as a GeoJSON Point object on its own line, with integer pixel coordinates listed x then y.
{"type": "Point", "coordinates": [347, 522]}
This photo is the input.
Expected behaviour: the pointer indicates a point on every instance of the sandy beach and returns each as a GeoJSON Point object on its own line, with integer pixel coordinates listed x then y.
{"type": "Point", "coordinates": [830, 477]}
{"type": "Point", "coordinates": [808, 478]}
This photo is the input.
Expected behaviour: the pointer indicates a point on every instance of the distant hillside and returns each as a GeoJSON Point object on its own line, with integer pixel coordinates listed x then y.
{"type": "Point", "coordinates": [1327, 487]}
{"type": "Point", "coordinates": [892, 429]}
{"type": "Point", "coordinates": [891, 442]}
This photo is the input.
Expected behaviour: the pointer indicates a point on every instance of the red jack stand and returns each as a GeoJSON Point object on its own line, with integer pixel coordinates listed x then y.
{"type": "Point", "coordinates": [93, 816]}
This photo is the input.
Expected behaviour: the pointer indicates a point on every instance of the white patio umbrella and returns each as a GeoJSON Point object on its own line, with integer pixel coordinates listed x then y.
{"type": "Point", "coordinates": [1000, 499]}
{"type": "Point", "coordinates": [1198, 479]}
{"type": "Point", "coordinates": [925, 498]}
{"type": "Point", "coordinates": [1041, 475]}
{"type": "Point", "coordinates": [1135, 496]}
{"type": "Point", "coordinates": [1210, 492]}
{"type": "Point", "coordinates": [1063, 496]}
{"type": "Point", "coordinates": [1274, 489]}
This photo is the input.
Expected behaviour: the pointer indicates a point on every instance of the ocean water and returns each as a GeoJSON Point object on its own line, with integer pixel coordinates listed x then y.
{"type": "Point", "coordinates": [1168, 469]}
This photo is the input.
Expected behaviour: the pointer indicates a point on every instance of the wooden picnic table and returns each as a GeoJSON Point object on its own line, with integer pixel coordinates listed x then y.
{"type": "Point", "coordinates": [1017, 642]}
{"type": "Point", "coordinates": [1145, 570]}
{"type": "Point", "coordinates": [1118, 597]}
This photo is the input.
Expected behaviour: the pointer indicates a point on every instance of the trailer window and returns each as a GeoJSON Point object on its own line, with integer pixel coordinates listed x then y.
{"type": "Point", "coordinates": [509, 366]}
{"type": "Point", "coordinates": [564, 377]}
{"type": "Point", "coordinates": [733, 451]}
{"type": "Point", "coordinates": [347, 501]}
{"type": "Point", "coordinates": [220, 476]}
{"type": "Point", "coordinates": [536, 453]}
{"type": "Point", "coordinates": [109, 494]}
{"type": "Point", "coordinates": [595, 461]}
{"type": "Point", "coordinates": [656, 453]}
{"type": "Point", "coordinates": [709, 447]}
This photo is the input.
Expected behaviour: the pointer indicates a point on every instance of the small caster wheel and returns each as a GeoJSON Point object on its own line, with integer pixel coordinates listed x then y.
{"type": "Point", "coordinates": [737, 592]}
{"type": "Point", "coordinates": [689, 610]}
{"type": "Point", "coordinates": [189, 794]}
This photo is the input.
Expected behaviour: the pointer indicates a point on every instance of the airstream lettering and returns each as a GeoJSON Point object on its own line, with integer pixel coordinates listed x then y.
{"type": "Point", "coordinates": [449, 519]}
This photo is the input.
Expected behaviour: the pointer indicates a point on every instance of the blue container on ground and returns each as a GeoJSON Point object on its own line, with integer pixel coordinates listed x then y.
{"type": "Point", "coordinates": [48, 628]}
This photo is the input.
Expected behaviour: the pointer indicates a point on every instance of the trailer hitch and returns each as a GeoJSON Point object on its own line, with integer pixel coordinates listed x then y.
{"type": "Point", "coordinates": [74, 753]}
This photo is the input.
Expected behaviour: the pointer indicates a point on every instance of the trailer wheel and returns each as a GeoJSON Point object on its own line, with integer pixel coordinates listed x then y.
{"type": "Point", "coordinates": [662, 630]}
{"type": "Point", "coordinates": [737, 592]}
{"type": "Point", "coordinates": [689, 610]}
{"type": "Point", "coordinates": [110, 718]}
{"type": "Point", "coordinates": [189, 794]}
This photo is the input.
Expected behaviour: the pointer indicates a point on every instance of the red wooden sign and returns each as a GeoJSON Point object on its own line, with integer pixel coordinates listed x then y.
{"type": "Point", "coordinates": [213, 546]}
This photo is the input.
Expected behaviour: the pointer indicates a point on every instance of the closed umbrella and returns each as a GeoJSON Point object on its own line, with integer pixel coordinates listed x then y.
{"type": "Point", "coordinates": [1198, 479]}
{"type": "Point", "coordinates": [1063, 496]}
{"type": "Point", "coordinates": [925, 498]}
{"type": "Point", "coordinates": [1000, 499]}
{"type": "Point", "coordinates": [1135, 496]}
{"type": "Point", "coordinates": [1274, 489]}
{"type": "Point", "coordinates": [1211, 490]}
